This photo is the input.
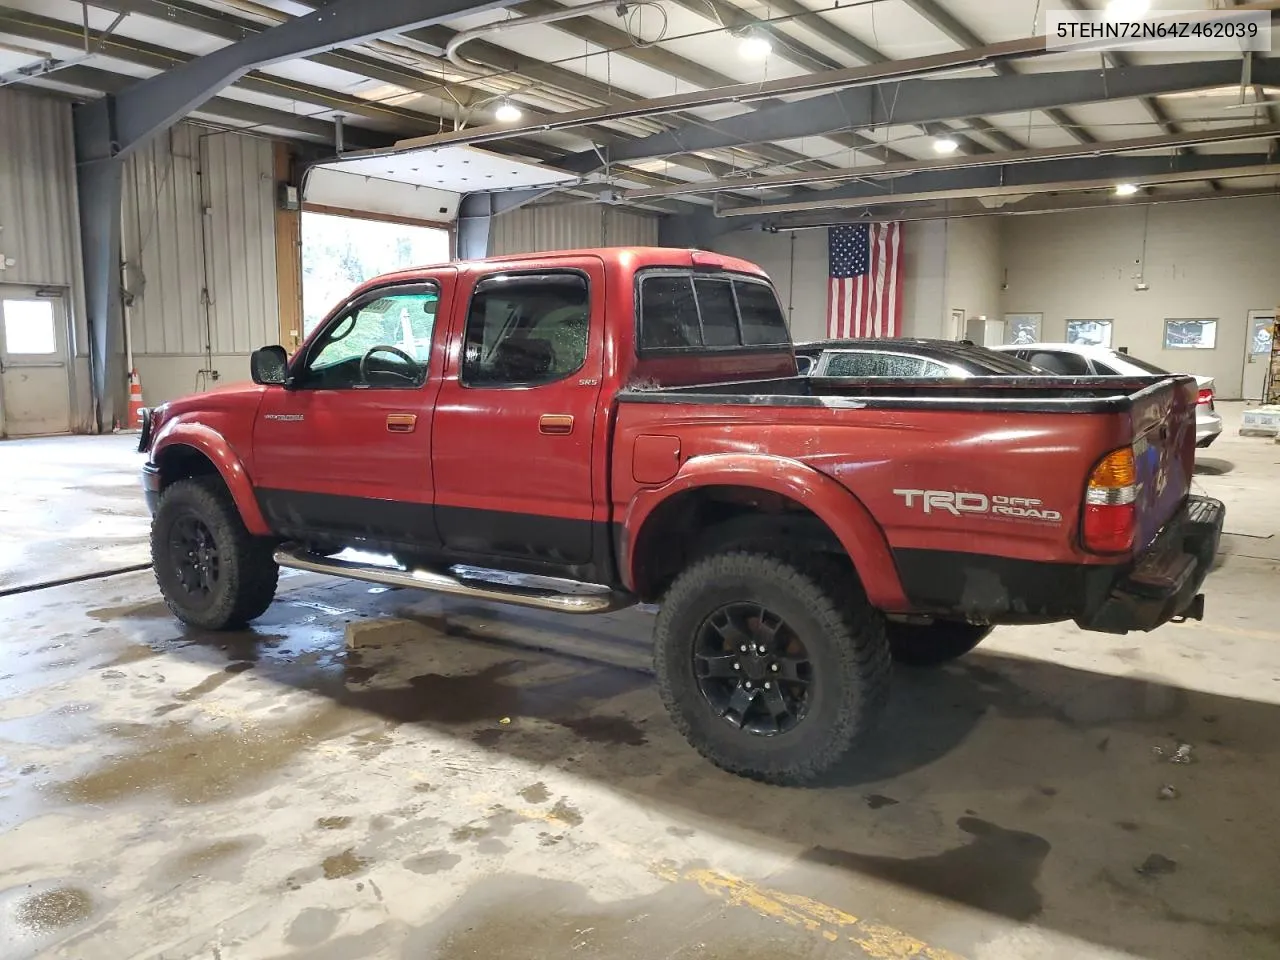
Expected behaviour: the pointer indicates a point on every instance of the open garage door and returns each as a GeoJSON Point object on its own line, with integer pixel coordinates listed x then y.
{"type": "Point", "coordinates": [372, 213]}
{"type": "Point", "coordinates": [342, 250]}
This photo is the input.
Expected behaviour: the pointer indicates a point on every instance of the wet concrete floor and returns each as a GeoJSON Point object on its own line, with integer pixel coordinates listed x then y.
{"type": "Point", "coordinates": [379, 773]}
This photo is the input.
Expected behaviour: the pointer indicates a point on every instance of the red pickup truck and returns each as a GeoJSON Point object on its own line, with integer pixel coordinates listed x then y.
{"type": "Point", "coordinates": [627, 425]}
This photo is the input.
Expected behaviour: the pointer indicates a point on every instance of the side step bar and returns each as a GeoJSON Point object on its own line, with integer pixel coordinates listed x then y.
{"type": "Point", "coordinates": [299, 558]}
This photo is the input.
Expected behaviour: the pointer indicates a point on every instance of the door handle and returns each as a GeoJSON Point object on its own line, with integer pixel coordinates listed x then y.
{"type": "Point", "coordinates": [555, 424]}
{"type": "Point", "coordinates": [401, 422]}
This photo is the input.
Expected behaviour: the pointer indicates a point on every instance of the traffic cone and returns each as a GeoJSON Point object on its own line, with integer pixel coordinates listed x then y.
{"type": "Point", "coordinates": [135, 400]}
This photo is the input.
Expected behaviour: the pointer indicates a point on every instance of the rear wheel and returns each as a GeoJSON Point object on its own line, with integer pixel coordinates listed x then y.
{"type": "Point", "coordinates": [773, 668]}
{"type": "Point", "coordinates": [211, 571]}
{"type": "Point", "coordinates": [927, 645]}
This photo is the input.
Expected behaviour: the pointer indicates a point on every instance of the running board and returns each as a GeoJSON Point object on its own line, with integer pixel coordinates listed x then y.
{"type": "Point", "coordinates": [299, 558]}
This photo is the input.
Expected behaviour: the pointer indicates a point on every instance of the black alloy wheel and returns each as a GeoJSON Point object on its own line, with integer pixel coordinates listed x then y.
{"type": "Point", "coordinates": [752, 669]}
{"type": "Point", "coordinates": [194, 554]}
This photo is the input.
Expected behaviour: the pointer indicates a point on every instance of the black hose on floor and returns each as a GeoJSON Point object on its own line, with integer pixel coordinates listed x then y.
{"type": "Point", "coordinates": [96, 575]}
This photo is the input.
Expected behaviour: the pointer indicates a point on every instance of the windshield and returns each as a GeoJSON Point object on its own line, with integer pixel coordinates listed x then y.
{"type": "Point", "coordinates": [1141, 364]}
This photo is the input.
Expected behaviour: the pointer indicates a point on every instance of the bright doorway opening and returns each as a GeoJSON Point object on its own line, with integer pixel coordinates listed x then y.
{"type": "Point", "coordinates": [340, 252]}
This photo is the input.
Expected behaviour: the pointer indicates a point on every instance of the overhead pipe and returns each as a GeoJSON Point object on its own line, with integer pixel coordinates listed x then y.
{"type": "Point", "coordinates": [568, 13]}
{"type": "Point", "coordinates": [1036, 208]}
{"type": "Point", "coordinates": [985, 56]}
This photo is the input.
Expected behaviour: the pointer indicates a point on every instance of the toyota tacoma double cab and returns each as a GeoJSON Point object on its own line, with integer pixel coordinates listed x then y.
{"type": "Point", "coordinates": [579, 431]}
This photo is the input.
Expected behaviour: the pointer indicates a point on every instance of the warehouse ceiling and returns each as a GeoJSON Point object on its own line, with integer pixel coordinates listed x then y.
{"type": "Point", "coordinates": [778, 114]}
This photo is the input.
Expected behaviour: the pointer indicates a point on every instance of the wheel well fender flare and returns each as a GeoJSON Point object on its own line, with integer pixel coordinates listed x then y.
{"type": "Point", "coordinates": [839, 509]}
{"type": "Point", "coordinates": [214, 447]}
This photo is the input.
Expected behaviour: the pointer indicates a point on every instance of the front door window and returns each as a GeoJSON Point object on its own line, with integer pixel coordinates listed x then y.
{"type": "Point", "coordinates": [382, 342]}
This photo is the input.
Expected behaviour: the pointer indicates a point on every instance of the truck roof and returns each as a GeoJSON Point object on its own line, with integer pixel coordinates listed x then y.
{"type": "Point", "coordinates": [630, 258]}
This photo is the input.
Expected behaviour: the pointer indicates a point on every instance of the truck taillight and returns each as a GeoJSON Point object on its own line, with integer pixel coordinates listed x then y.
{"type": "Point", "coordinates": [1205, 397]}
{"type": "Point", "coordinates": [1110, 504]}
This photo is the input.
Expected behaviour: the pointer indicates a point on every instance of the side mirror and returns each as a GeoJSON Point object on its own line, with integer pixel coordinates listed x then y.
{"type": "Point", "coordinates": [269, 366]}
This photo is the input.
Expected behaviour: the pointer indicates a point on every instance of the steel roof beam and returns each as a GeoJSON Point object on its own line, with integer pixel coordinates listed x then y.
{"type": "Point", "coordinates": [610, 37]}
{"type": "Point", "coordinates": [949, 24]}
{"type": "Point", "coordinates": [915, 101]}
{"type": "Point", "coordinates": [787, 48]}
{"type": "Point", "coordinates": [151, 105]}
{"type": "Point", "coordinates": [1013, 179]}
{"type": "Point", "coordinates": [1161, 141]}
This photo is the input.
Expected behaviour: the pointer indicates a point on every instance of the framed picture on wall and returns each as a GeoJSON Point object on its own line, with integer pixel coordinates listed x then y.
{"type": "Point", "coordinates": [1022, 327]}
{"type": "Point", "coordinates": [1261, 328]}
{"type": "Point", "coordinates": [1190, 334]}
{"type": "Point", "coordinates": [1089, 333]}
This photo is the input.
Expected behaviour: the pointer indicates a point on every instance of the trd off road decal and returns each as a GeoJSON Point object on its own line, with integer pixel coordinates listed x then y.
{"type": "Point", "coordinates": [958, 504]}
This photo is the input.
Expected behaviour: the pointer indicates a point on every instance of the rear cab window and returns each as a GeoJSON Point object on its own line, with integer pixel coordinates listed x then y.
{"type": "Point", "coordinates": [683, 310]}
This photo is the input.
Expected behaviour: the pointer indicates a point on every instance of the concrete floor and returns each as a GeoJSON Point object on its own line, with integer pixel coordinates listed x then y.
{"type": "Point", "coordinates": [374, 773]}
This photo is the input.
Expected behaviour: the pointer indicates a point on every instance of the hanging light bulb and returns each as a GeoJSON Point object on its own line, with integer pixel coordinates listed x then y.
{"type": "Point", "coordinates": [945, 145]}
{"type": "Point", "coordinates": [507, 112]}
{"type": "Point", "coordinates": [754, 46]}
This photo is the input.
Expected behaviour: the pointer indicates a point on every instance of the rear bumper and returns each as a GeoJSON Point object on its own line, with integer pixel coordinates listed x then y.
{"type": "Point", "coordinates": [1112, 598]}
{"type": "Point", "coordinates": [1208, 427]}
{"type": "Point", "coordinates": [151, 486]}
{"type": "Point", "coordinates": [1165, 582]}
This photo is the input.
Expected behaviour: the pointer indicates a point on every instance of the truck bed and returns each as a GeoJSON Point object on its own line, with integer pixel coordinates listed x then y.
{"type": "Point", "coordinates": [993, 394]}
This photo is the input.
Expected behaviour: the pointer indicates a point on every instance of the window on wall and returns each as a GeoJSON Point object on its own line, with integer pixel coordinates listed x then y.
{"type": "Point", "coordinates": [1190, 334]}
{"type": "Point", "coordinates": [340, 252]}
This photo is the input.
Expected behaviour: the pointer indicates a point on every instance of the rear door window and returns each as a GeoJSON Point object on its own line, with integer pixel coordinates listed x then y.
{"type": "Point", "coordinates": [867, 363]}
{"type": "Point", "coordinates": [525, 330]}
{"type": "Point", "coordinates": [932, 369]}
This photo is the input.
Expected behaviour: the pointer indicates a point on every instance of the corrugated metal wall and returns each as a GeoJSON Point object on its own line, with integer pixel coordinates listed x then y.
{"type": "Point", "coordinates": [39, 219]}
{"type": "Point", "coordinates": [533, 228]}
{"type": "Point", "coordinates": [199, 244]}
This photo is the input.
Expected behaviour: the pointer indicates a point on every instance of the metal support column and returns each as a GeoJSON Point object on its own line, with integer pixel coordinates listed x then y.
{"type": "Point", "coordinates": [100, 183]}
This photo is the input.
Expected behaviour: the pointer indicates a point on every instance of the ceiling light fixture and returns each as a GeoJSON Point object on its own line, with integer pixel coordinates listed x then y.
{"type": "Point", "coordinates": [945, 145]}
{"type": "Point", "coordinates": [754, 46]}
{"type": "Point", "coordinates": [1126, 9]}
{"type": "Point", "coordinates": [1126, 189]}
{"type": "Point", "coordinates": [507, 112]}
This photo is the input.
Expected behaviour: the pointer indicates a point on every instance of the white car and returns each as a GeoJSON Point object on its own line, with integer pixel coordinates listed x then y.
{"type": "Point", "coordinates": [1083, 360]}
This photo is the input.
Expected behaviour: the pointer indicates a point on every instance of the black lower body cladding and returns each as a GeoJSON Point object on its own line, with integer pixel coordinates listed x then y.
{"type": "Point", "coordinates": [1161, 585]}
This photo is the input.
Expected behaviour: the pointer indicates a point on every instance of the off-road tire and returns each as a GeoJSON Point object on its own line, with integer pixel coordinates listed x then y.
{"type": "Point", "coordinates": [928, 645]}
{"type": "Point", "coordinates": [824, 605]}
{"type": "Point", "coordinates": [247, 574]}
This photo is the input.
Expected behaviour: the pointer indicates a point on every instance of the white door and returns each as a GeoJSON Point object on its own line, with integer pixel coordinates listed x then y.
{"type": "Point", "coordinates": [35, 389]}
{"type": "Point", "coordinates": [1257, 352]}
{"type": "Point", "coordinates": [993, 332]}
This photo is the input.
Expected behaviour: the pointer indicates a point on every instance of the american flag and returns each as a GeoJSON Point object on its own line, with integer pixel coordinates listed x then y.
{"type": "Point", "coordinates": [864, 297]}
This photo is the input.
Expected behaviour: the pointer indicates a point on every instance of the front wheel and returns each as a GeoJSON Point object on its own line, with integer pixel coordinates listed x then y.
{"type": "Point", "coordinates": [772, 668]}
{"type": "Point", "coordinates": [212, 572]}
{"type": "Point", "coordinates": [931, 644]}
